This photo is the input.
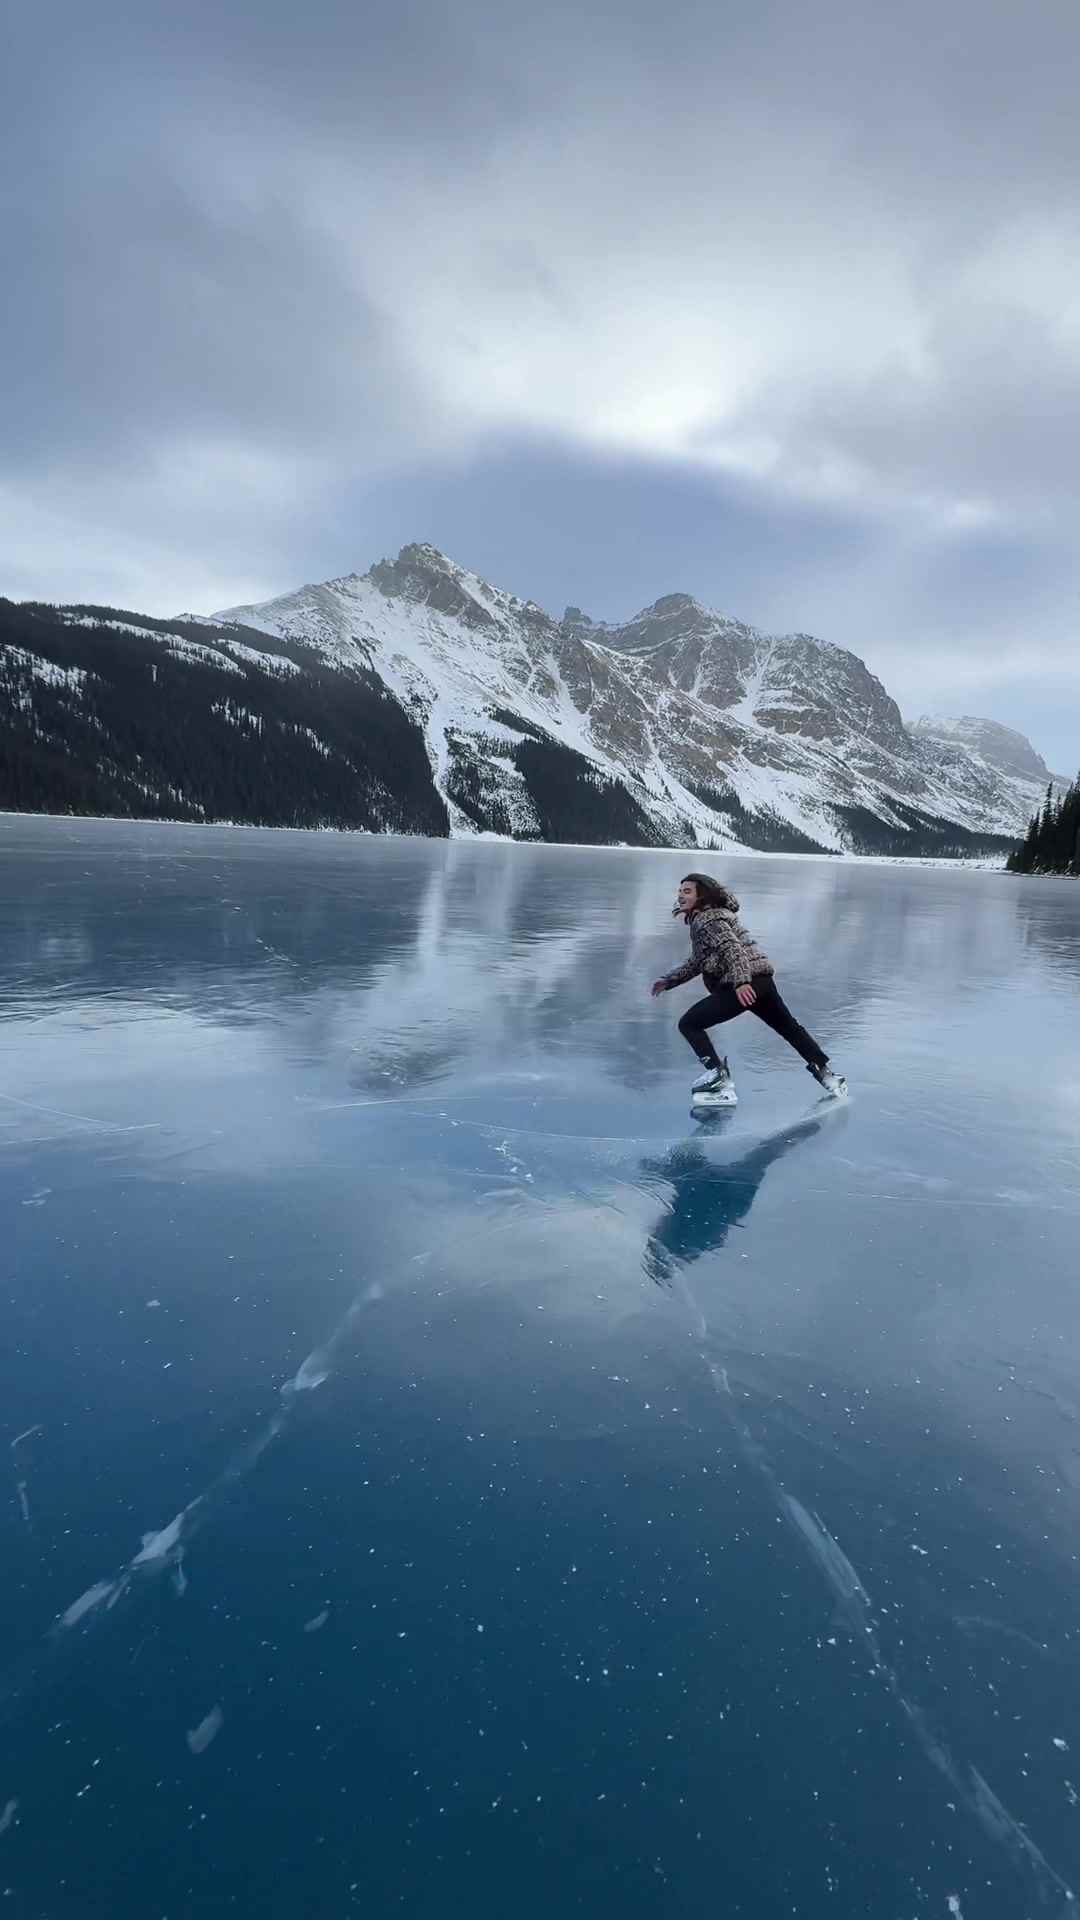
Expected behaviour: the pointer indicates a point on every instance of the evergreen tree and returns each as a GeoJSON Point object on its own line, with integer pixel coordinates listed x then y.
{"type": "Point", "coordinates": [1052, 841]}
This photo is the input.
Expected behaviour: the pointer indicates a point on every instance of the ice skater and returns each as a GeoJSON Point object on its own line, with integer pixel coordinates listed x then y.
{"type": "Point", "coordinates": [739, 978]}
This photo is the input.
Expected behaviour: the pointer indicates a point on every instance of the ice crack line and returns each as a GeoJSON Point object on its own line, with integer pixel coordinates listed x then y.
{"type": "Point", "coordinates": [856, 1610]}
{"type": "Point", "coordinates": [163, 1551]}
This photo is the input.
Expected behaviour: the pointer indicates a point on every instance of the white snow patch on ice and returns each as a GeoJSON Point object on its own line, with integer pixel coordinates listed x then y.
{"type": "Point", "coordinates": [831, 1558]}
{"type": "Point", "coordinates": [309, 1374]}
{"type": "Point", "coordinates": [159, 1551]}
{"type": "Point", "coordinates": [199, 1737]}
{"type": "Point", "coordinates": [159, 1546]}
{"type": "Point", "coordinates": [999, 1823]}
{"type": "Point", "coordinates": [86, 1602]}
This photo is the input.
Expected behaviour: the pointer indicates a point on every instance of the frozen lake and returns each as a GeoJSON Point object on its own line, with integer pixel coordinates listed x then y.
{"type": "Point", "coordinates": [442, 1480]}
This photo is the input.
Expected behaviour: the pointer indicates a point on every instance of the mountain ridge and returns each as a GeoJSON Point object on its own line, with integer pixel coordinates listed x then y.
{"type": "Point", "coordinates": [678, 700]}
{"type": "Point", "coordinates": [680, 726]}
{"type": "Point", "coordinates": [1003, 746]}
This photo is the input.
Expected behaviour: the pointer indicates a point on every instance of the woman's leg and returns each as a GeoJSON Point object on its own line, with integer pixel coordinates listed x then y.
{"type": "Point", "coordinates": [710, 1012]}
{"type": "Point", "coordinates": [770, 1007]}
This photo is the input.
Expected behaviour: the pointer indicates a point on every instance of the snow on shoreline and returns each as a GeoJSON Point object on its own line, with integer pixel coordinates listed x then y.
{"type": "Point", "coordinates": [993, 863]}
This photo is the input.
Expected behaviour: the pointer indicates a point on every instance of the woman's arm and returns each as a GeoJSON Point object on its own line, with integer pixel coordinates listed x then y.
{"type": "Point", "coordinates": [721, 949]}
{"type": "Point", "coordinates": [689, 969]}
{"type": "Point", "coordinates": [678, 976]}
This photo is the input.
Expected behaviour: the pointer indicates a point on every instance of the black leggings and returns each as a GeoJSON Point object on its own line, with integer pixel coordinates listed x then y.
{"type": "Point", "coordinates": [723, 1005]}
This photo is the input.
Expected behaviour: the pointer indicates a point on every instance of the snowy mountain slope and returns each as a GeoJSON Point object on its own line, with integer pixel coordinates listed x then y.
{"type": "Point", "coordinates": [1001, 747]}
{"type": "Point", "coordinates": [714, 730]}
{"type": "Point", "coordinates": [105, 712]}
{"type": "Point", "coordinates": [419, 698]}
{"type": "Point", "coordinates": [471, 664]}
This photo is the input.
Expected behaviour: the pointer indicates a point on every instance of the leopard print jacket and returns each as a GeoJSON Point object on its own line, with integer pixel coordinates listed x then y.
{"type": "Point", "coordinates": [721, 951]}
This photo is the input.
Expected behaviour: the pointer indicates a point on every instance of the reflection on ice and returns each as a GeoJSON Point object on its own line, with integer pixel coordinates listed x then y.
{"type": "Point", "coordinates": [710, 1195]}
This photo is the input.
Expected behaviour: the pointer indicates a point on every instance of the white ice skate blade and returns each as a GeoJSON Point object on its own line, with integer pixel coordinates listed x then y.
{"type": "Point", "coordinates": [832, 1094]}
{"type": "Point", "coordinates": [708, 1102]}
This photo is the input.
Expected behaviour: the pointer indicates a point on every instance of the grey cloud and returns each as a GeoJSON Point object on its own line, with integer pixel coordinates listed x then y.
{"type": "Point", "coordinates": [992, 416]}
{"type": "Point", "coordinates": [267, 260]}
{"type": "Point", "coordinates": [176, 317]}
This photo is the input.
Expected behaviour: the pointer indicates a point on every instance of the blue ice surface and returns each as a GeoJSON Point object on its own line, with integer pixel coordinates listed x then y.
{"type": "Point", "coordinates": [444, 1479]}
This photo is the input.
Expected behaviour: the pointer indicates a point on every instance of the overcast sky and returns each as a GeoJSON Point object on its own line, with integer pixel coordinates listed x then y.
{"type": "Point", "coordinates": [774, 304]}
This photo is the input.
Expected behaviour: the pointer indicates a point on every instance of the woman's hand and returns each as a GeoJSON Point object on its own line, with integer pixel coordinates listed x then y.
{"type": "Point", "coordinates": [745, 995]}
{"type": "Point", "coordinates": [658, 987]}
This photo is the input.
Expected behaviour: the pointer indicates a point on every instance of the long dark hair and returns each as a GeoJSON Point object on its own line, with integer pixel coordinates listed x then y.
{"type": "Point", "coordinates": [711, 893]}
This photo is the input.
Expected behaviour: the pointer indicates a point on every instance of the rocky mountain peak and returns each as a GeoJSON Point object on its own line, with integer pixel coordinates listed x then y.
{"type": "Point", "coordinates": [1000, 746]}
{"type": "Point", "coordinates": [822, 692]}
{"type": "Point", "coordinates": [429, 578]}
{"type": "Point", "coordinates": [670, 622]}
{"type": "Point", "coordinates": [682, 707]}
{"type": "Point", "coordinates": [421, 553]}
{"type": "Point", "coordinates": [671, 604]}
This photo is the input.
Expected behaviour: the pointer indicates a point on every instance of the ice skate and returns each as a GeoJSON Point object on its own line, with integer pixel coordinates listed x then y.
{"type": "Point", "coordinates": [714, 1088]}
{"type": "Point", "coordinates": [833, 1084]}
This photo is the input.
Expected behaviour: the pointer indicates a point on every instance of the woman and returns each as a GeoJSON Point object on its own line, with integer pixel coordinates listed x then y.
{"type": "Point", "coordinates": [739, 976]}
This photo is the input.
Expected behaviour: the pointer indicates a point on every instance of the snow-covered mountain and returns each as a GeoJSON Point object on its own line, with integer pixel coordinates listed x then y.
{"type": "Point", "coordinates": [713, 730]}
{"type": "Point", "coordinates": [419, 698]}
{"type": "Point", "coordinates": [1002, 747]}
